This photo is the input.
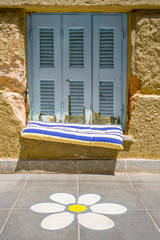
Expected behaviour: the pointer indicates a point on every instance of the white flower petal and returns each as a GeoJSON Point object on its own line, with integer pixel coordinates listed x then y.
{"type": "Point", "coordinates": [95, 221]}
{"type": "Point", "coordinates": [108, 208]}
{"type": "Point", "coordinates": [64, 198]}
{"type": "Point", "coordinates": [89, 199]}
{"type": "Point", "coordinates": [57, 221]}
{"type": "Point", "coordinates": [47, 207]}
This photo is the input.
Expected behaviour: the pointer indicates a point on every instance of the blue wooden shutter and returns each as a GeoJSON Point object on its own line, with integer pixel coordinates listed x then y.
{"type": "Point", "coordinates": [77, 66]}
{"type": "Point", "coordinates": [46, 57]}
{"type": "Point", "coordinates": [61, 51]}
{"type": "Point", "coordinates": [107, 65]}
{"type": "Point", "coordinates": [76, 54]}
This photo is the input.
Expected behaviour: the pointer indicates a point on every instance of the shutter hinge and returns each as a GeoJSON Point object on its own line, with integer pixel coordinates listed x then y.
{"type": "Point", "coordinates": [30, 33]}
{"type": "Point", "coordinates": [122, 35]}
{"type": "Point", "coordinates": [61, 33]}
{"type": "Point", "coordinates": [122, 109]}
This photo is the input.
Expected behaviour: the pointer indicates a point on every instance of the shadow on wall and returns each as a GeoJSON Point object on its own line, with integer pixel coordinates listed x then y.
{"type": "Point", "coordinates": [41, 157]}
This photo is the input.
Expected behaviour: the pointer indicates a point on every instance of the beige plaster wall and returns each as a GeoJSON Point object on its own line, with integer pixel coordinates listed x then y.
{"type": "Point", "coordinates": [9, 131]}
{"type": "Point", "coordinates": [146, 51]}
{"type": "Point", "coordinates": [143, 94]}
{"type": "Point", "coordinates": [80, 5]}
{"type": "Point", "coordinates": [80, 2]}
{"type": "Point", "coordinates": [144, 85]}
{"type": "Point", "coordinates": [13, 83]}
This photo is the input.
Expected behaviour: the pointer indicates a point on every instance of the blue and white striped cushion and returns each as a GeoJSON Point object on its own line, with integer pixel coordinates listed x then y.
{"type": "Point", "coordinates": [109, 136]}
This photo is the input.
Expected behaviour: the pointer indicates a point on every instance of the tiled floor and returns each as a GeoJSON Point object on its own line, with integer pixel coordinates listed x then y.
{"type": "Point", "coordinates": [132, 213]}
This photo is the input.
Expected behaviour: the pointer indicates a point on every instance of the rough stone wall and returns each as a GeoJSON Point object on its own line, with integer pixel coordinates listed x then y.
{"type": "Point", "coordinates": [146, 65]}
{"type": "Point", "coordinates": [143, 104]}
{"type": "Point", "coordinates": [144, 93]}
{"type": "Point", "coordinates": [9, 131]}
{"type": "Point", "coordinates": [108, 6]}
{"type": "Point", "coordinates": [13, 82]}
{"type": "Point", "coordinates": [80, 2]}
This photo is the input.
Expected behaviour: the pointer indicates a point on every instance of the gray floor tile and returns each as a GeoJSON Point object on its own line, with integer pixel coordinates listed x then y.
{"type": "Point", "coordinates": [125, 196]}
{"type": "Point", "coordinates": [145, 179]}
{"type": "Point", "coordinates": [34, 195]}
{"type": "Point", "coordinates": [150, 196]}
{"type": "Point", "coordinates": [52, 180]}
{"type": "Point", "coordinates": [132, 225]}
{"type": "Point", "coordinates": [25, 225]}
{"type": "Point", "coordinates": [3, 215]}
{"type": "Point", "coordinates": [119, 180]}
{"type": "Point", "coordinates": [8, 196]}
{"type": "Point", "coordinates": [12, 180]}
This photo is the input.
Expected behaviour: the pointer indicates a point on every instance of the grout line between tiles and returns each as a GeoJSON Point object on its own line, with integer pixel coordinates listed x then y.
{"type": "Point", "coordinates": [77, 202]}
{"type": "Point", "coordinates": [13, 206]}
{"type": "Point", "coordinates": [143, 203]}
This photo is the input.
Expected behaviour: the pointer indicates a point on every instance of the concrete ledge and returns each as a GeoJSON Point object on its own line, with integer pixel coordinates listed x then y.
{"type": "Point", "coordinates": [110, 166]}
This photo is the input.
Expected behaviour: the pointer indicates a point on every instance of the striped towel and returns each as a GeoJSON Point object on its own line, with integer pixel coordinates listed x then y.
{"type": "Point", "coordinates": [109, 136]}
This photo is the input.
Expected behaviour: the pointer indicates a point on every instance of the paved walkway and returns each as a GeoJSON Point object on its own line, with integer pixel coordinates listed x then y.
{"type": "Point", "coordinates": [74, 207]}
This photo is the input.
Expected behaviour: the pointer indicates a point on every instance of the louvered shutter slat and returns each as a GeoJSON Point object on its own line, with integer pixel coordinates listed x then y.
{"type": "Point", "coordinates": [76, 98]}
{"type": "Point", "coordinates": [46, 38]}
{"type": "Point", "coordinates": [106, 48]}
{"type": "Point", "coordinates": [76, 45]}
{"type": "Point", "coordinates": [107, 98]}
{"type": "Point", "coordinates": [47, 97]}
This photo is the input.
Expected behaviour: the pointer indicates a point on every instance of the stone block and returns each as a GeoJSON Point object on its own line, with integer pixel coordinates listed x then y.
{"type": "Point", "coordinates": [9, 131]}
{"type": "Point", "coordinates": [144, 129]}
{"type": "Point", "coordinates": [146, 51]}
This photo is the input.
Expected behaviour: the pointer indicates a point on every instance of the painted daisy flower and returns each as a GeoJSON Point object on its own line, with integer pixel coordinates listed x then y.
{"type": "Point", "coordinates": [90, 214]}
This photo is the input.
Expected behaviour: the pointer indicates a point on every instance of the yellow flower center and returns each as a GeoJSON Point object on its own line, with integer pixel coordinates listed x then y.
{"type": "Point", "coordinates": [77, 208]}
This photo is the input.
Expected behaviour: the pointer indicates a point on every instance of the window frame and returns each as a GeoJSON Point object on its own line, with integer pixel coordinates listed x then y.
{"type": "Point", "coordinates": [124, 59]}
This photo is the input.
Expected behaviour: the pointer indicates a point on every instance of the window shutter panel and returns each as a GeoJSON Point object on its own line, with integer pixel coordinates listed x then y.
{"type": "Point", "coordinates": [77, 68]}
{"type": "Point", "coordinates": [107, 66]}
{"type": "Point", "coordinates": [46, 61]}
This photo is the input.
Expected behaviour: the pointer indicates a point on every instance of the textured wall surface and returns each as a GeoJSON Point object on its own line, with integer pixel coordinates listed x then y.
{"type": "Point", "coordinates": [146, 65]}
{"type": "Point", "coordinates": [12, 83]}
{"type": "Point", "coordinates": [79, 2]}
{"type": "Point", "coordinates": [9, 131]}
{"type": "Point", "coordinates": [144, 128]}
{"type": "Point", "coordinates": [12, 63]}
{"type": "Point", "coordinates": [143, 100]}
{"type": "Point", "coordinates": [80, 5]}
{"type": "Point", "coordinates": [144, 93]}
